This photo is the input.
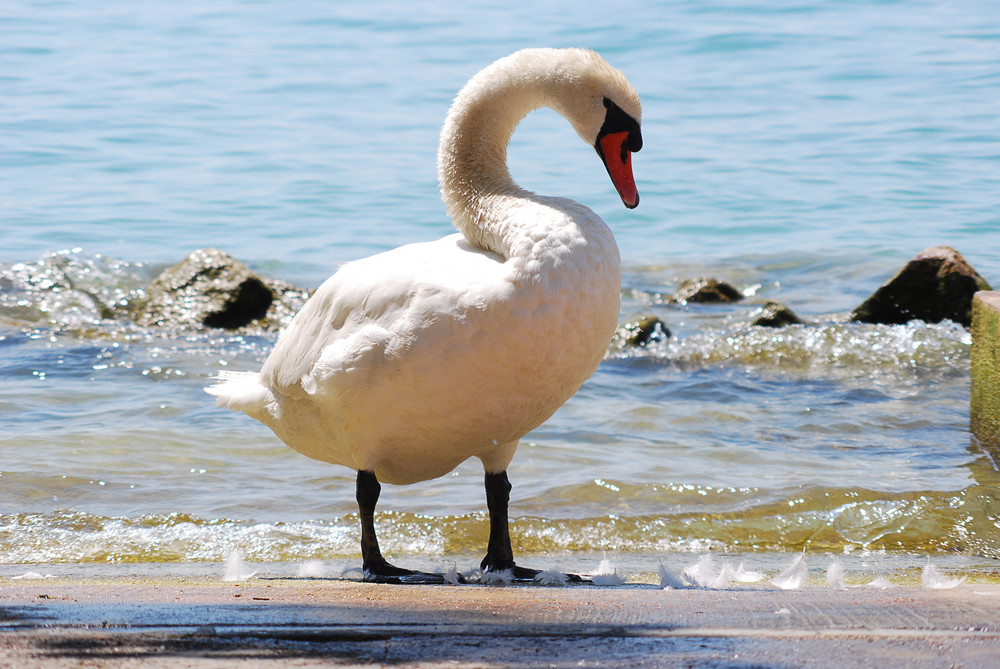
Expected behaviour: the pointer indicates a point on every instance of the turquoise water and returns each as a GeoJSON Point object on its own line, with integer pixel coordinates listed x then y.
{"type": "Point", "coordinates": [802, 152]}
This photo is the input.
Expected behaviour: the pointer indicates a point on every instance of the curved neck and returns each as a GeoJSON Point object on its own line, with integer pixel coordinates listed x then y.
{"type": "Point", "coordinates": [476, 185]}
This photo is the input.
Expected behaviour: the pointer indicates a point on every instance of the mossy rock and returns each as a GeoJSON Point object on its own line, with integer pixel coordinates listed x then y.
{"type": "Point", "coordinates": [212, 289]}
{"type": "Point", "coordinates": [642, 332]}
{"type": "Point", "coordinates": [775, 315]}
{"type": "Point", "coordinates": [937, 284]}
{"type": "Point", "coordinates": [707, 291]}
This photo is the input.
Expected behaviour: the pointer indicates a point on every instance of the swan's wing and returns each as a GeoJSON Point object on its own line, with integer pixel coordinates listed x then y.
{"type": "Point", "coordinates": [369, 314]}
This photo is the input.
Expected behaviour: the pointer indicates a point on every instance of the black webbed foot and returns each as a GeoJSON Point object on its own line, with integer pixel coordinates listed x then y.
{"type": "Point", "coordinates": [383, 572]}
{"type": "Point", "coordinates": [524, 575]}
{"type": "Point", "coordinates": [499, 555]}
{"type": "Point", "coordinates": [375, 568]}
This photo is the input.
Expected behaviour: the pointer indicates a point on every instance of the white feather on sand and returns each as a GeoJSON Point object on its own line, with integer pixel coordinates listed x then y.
{"type": "Point", "coordinates": [312, 569]}
{"type": "Point", "coordinates": [794, 576]}
{"type": "Point", "coordinates": [669, 580]}
{"type": "Point", "coordinates": [880, 582]}
{"type": "Point", "coordinates": [353, 570]}
{"type": "Point", "coordinates": [702, 573]}
{"type": "Point", "coordinates": [505, 577]}
{"type": "Point", "coordinates": [742, 575]}
{"type": "Point", "coordinates": [606, 574]}
{"type": "Point", "coordinates": [551, 577]}
{"type": "Point", "coordinates": [931, 577]}
{"type": "Point", "coordinates": [236, 569]}
{"type": "Point", "coordinates": [724, 579]}
{"type": "Point", "coordinates": [835, 575]}
{"type": "Point", "coordinates": [31, 576]}
{"type": "Point", "coordinates": [451, 575]}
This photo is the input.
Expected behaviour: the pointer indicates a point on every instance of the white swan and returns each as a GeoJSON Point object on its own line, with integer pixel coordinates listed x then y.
{"type": "Point", "coordinates": [407, 363]}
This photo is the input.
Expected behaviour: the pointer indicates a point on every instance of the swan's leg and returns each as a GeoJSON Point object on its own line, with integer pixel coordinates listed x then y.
{"type": "Point", "coordinates": [499, 554]}
{"type": "Point", "coordinates": [375, 567]}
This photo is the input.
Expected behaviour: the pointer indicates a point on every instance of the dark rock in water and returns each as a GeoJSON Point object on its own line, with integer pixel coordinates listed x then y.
{"type": "Point", "coordinates": [643, 331]}
{"type": "Point", "coordinates": [212, 289]}
{"type": "Point", "coordinates": [706, 290]}
{"type": "Point", "coordinates": [775, 315]}
{"type": "Point", "coordinates": [937, 284]}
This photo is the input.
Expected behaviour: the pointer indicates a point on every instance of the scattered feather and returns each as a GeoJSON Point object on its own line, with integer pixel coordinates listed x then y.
{"type": "Point", "coordinates": [794, 576]}
{"type": "Point", "coordinates": [505, 577]}
{"type": "Point", "coordinates": [551, 578]}
{"type": "Point", "coordinates": [702, 573]}
{"type": "Point", "coordinates": [724, 579]}
{"type": "Point", "coordinates": [312, 569]}
{"type": "Point", "coordinates": [742, 575]}
{"type": "Point", "coordinates": [669, 579]}
{"type": "Point", "coordinates": [835, 575]}
{"type": "Point", "coordinates": [606, 574]}
{"type": "Point", "coordinates": [880, 582]}
{"type": "Point", "coordinates": [608, 579]}
{"type": "Point", "coordinates": [934, 579]}
{"type": "Point", "coordinates": [31, 576]}
{"type": "Point", "coordinates": [353, 570]}
{"type": "Point", "coordinates": [236, 569]}
{"type": "Point", "coordinates": [451, 575]}
{"type": "Point", "coordinates": [783, 612]}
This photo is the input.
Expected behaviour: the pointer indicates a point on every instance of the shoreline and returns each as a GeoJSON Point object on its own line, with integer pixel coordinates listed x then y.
{"type": "Point", "coordinates": [206, 622]}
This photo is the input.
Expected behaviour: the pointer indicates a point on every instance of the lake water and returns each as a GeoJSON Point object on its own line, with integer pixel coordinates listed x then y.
{"type": "Point", "coordinates": [801, 151]}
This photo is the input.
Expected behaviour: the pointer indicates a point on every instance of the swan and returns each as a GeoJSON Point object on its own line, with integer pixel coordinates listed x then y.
{"type": "Point", "coordinates": [405, 364]}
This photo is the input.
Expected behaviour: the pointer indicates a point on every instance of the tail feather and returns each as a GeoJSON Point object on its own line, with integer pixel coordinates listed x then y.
{"type": "Point", "coordinates": [240, 391]}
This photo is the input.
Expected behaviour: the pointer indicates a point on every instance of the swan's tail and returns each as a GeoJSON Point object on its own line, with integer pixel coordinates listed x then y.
{"type": "Point", "coordinates": [240, 391]}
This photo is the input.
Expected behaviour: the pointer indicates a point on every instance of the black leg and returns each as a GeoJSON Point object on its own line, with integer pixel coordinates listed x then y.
{"type": "Point", "coordinates": [375, 567]}
{"type": "Point", "coordinates": [499, 554]}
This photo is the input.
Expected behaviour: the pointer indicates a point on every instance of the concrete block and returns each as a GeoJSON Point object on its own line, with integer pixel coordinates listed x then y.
{"type": "Point", "coordinates": [984, 409]}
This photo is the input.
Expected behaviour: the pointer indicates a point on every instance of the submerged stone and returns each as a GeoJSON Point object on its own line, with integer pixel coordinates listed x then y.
{"type": "Point", "coordinates": [212, 289]}
{"type": "Point", "coordinates": [775, 315]}
{"type": "Point", "coordinates": [937, 284]}
{"type": "Point", "coordinates": [643, 331]}
{"type": "Point", "coordinates": [706, 291]}
{"type": "Point", "coordinates": [69, 289]}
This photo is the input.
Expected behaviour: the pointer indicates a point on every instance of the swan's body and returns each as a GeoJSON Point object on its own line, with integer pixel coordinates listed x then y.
{"type": "Point", "coordinates": [407, 363]}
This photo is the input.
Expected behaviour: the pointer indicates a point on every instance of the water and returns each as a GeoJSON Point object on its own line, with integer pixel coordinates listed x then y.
{"type": "Point", "coordinates": [802, 152]}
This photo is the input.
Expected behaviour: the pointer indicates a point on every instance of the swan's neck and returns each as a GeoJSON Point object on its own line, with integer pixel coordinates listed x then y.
{"type": "Point", "coordinates": [478, 191]}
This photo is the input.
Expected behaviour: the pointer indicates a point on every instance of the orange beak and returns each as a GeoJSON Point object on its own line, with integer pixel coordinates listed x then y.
{"type": "Point", "coordinates": [614, 150]}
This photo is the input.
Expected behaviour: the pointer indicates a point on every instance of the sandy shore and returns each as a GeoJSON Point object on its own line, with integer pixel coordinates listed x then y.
{"type": "Point", "coordinates": [201, 622]}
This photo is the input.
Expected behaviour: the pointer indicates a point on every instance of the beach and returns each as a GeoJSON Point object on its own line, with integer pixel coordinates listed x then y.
{"type": "Point", "coordinates": [202, 622]}
{"type": "Point", "coordinates": [800, 153]}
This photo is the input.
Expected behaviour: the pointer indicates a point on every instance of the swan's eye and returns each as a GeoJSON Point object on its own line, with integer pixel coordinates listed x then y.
{"type": "Point", "coordinates": [617, 120]}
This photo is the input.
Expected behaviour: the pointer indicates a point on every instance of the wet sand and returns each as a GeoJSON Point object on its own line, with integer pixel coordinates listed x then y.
{"type": "Point", "coordinates": [201, 622]}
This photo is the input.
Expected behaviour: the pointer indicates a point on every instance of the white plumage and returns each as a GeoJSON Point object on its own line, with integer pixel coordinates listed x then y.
{"type": "Point", "coordinates": [409, 362]}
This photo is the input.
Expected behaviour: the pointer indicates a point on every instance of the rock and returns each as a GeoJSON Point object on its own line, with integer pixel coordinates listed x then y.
{"type": "Point", "coordinates": [775, 315]}
{"type": "Point", "coordinates": [937, 284]}
{"type": "Point", "coordinates": [212, 289]}
{"type": "Point", "coordinates": [706, 290]}
{"type": "Point", "coordinates": [641, 332]}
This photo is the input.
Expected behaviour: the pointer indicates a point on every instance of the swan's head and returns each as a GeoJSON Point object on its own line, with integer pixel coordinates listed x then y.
{"type": "Point", "coordinates": [604, 109]}
{"type": "Point", "coordinates": [597, 99]}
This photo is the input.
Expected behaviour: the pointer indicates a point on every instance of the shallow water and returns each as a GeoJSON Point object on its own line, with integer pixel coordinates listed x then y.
{"type": "Point", "coordinates": [801, 152]}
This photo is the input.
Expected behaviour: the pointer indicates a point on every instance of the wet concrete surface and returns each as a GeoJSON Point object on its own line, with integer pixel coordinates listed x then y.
{"type": "Point", "coordinates": [317, 622]}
